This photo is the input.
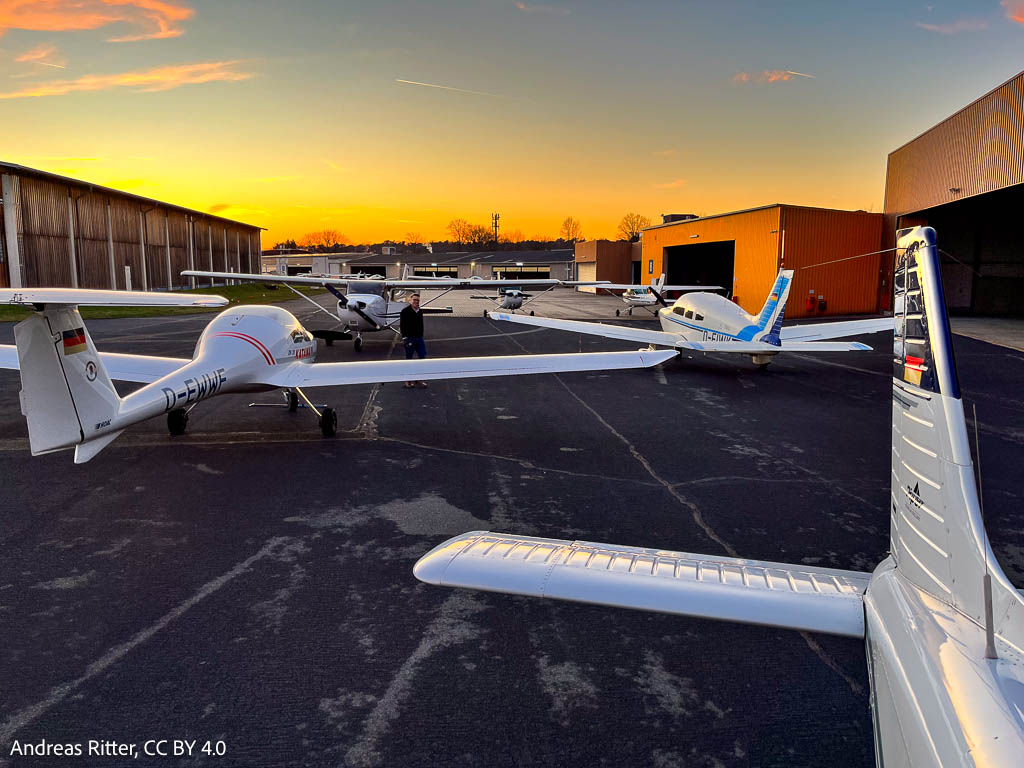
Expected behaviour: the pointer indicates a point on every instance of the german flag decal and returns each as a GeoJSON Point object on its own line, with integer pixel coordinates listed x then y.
{"type": "Point", "coordinates": [74, 341]}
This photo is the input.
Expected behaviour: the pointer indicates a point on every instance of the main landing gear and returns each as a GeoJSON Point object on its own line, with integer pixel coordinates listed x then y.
{"type": "Point", "coordinates": [357, 345]}
{"type": "Point", "coordinates": [177, 420]}
{"type": "Point", "coordinates": [295, 398]}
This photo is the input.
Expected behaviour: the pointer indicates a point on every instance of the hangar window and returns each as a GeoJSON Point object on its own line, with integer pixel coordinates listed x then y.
{"type": "Point", "coordinates": [650, 267]}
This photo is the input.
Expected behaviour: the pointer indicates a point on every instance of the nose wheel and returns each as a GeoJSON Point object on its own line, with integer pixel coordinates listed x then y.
{"type": "Point", "coordinates": [357, 345]}
{"type": "Point", "coordinates": [328, 422]}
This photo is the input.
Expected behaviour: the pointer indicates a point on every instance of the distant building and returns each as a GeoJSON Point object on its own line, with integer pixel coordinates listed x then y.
{"type": "Point", "coordinates": [62, 232]}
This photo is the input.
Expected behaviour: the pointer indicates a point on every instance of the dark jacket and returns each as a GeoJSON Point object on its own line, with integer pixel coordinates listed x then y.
{"type": "Point", "coordinates": [411, 323]}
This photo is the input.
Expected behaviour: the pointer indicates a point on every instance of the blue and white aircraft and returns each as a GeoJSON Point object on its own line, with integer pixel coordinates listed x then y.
{"type": "Point", "coordinates": [707, 322]}
{"type": "Point", "coordinates": [942, 624]}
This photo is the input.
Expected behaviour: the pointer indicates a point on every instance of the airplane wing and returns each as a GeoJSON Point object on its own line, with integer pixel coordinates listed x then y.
{"type": "Point", "coordinates": [91, 298]}
{"type": "Point", "coordinates": [138, 368]}
{"type": "Point", "coordinates": [382, 371]}
{"type": "Point", "coordinates": [663, 339]}
{"type": "Point", "coordinates": [270, 278]}
{"type": "Point", "coordinates": [406, 284]}
{"type": "Point", "coordinates": [749, 591]}
{"type": "Point", "coordinates": [816, 331]}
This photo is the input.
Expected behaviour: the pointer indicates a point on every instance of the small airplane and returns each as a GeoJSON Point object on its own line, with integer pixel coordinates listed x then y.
{"type": "Point", "coordinates": [69, 401]}
{"type": "Point", "coordinates": [707, 322]}
{"type": "Point", "coordinates": [648, 296]}
{"type": "Point", "coordinates": [366, 306]}
{"type": "Point", "coordinates": [943, 625]}
{"type": "Point", "coordinates": [510, 299]}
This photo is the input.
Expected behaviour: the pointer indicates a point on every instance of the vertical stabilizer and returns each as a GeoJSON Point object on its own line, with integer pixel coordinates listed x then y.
{"type": "Point", "coordinates": [66, 395]}
{"type": "Point", "coordinates": [938, 539]}
{"type": "Point", "coordinates": [769, 321]}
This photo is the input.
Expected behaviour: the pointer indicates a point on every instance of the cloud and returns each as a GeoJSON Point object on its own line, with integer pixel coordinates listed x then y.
{"type": "Point", "coordinates": [447, 88]}
{"type": "Point", "coordinates": [1014, 10]}
{"type": "Point", "coordinates": [674, 184]}
{"type": "Point", "coordinates": [553, 10]}
{"type": "Point", "coordinates": [40, 54]}
{"type": "Point", "coordinates": [159, 79]}
{"type": "Point", "coordinates": [956, 27]}
{"type": "Point", "coordinates": [218, 209]}
{"type": "Point", "coordinates": [156, 19]}
{"type": "Point", "coordinates": [768, 76]}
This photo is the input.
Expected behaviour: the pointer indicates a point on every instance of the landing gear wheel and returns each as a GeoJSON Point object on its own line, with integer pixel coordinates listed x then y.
{"type": "Point", "coordinates": [357, 344]}
{"type": "Point", "coordinates": [293, 402]}
{"type": "Point", "coordinates": [761, 367]}
{"type": "Point", "coordinates": [177, 420]}
{"type": "Point", "coordinates": [485, 313]}
{"type": "Point", "coordinates": [617, 313]}
{"type": "Point", "coordinates": [531, 313]}
{"type": "Point", "coordinates": [328, 422]}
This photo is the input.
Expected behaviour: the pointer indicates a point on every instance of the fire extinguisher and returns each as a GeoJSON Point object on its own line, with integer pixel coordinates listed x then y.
{"type": "Point", "coordinates": [810, 302]}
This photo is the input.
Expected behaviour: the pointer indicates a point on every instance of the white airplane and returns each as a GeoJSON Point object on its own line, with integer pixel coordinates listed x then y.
{"type": "Point", "coordinates": [707, 322]}
{"type": "Point", "coordinates": [943, 625]}
{"type": "Point", "coordinates": [69, 401]}
{"type": "Point", "coordinates": [366, 306]}
{"type": "Point", "coordinates": [648, 296]}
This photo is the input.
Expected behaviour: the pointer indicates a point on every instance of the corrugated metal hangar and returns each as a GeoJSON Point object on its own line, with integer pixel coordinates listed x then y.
{"type": "Point", "coordinates": [744, 251]}
{"type": "Point", "coordinates": [57, 231]}
{"type": "Point", "coordinates": [965, 178]}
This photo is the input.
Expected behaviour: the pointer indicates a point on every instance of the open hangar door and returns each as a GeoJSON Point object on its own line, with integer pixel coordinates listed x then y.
{"type": "Point", "coordinates": [701, 264]}
{"type": "Point", "coordinates": [981, 252]}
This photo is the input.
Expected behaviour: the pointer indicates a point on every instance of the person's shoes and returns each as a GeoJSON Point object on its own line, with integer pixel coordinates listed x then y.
{"type": "Point", "coordinates": [423, 384]}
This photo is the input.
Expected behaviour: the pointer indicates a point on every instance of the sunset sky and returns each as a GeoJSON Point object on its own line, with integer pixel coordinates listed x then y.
{"type": "Point", "coordinates": [384, 118]}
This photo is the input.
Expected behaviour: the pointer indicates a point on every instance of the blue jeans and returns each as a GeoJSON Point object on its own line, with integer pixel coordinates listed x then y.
{"type": "Point", "coordinates": [414, 345]}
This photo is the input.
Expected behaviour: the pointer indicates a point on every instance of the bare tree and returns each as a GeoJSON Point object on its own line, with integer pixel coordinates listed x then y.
{"type": "Point", "coordinates": [513, 236]}
{"type": "Point", "coordinates": [413, 238]}
{"type": "Point", "coordinates": [324, 239]}
{"type": "Point", "coordinates": [631, 225]}
{"type": "Point", "coordinates": [459, 230]}
{"type": "Point", "coordinates": [478, 234]}
{"type": "Point", "coordinates": [571, 230]}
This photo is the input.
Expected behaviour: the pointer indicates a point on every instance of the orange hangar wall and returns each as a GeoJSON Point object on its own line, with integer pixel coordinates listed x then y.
{"type": "Point", "coordinates": [743, 252]}
{"type": "Point", "coordinates": [609, 260]}
{"type": "Point", "coordinates": [836, 264]}
{"type": "Point", "coordinates": [738, 251]}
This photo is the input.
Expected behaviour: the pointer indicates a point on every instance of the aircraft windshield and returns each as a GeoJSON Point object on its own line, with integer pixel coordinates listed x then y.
{"type": "Point", "coordinates": [377, 289]}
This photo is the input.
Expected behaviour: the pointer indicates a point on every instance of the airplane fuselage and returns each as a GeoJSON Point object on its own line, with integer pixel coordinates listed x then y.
{"type": "Point", "coordinates": [233, 352]}
{"type": "Point", "coordinates": [708, 317]}
{"type": "Point", "coordinates": [382, 313]}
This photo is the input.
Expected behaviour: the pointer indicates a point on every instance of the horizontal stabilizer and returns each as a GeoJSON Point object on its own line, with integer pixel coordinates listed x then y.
{"type": "Point", "coordinates": [747, 591]}
{"type": "Point", "coordinates": [86, 298]}
{"type": "Point", "coordinates": [382, 371]}
{"type": "Point", "coordinates": [87, 450]}
{"type": "Point", "coordinates": [142, 369]}
{"type": "Point", "coordinates": [815, 331]}
{"type": "Point", "coordinates": [823, 346]}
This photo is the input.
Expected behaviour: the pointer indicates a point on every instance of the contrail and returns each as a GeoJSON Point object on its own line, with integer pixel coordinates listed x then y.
{"type": "Point", "coordinates": [799, 74]}
{"type": "Point", "coordinates": [448, 88]}
{"type": "Point", "coordinates": [48, 64]}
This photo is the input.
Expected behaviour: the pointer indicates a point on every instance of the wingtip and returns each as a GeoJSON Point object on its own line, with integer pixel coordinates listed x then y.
{"type": "Point", "coordinates": [431, 568]}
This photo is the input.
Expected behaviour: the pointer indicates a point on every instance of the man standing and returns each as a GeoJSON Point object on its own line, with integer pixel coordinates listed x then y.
{"type": "Point", "coordinates": [411, 327]}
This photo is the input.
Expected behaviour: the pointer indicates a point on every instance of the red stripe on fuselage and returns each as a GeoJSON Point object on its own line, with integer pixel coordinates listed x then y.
{"type": "Point", "coordinates": [255, 342]}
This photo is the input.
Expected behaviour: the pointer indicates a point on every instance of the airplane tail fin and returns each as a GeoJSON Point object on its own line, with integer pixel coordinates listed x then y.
{"type": "Point", "coordinates": [938, 538]}
{"type": "Point", "coordinates": [67, 396]}
{"type": "Point", "coordinates": [769, 321]}
{"type": "Point", "coordinates": [66, 393]}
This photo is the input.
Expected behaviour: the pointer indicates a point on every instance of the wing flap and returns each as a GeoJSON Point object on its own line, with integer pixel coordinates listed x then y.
{"type": "Point", "coordinates": [748, 591]}
{"type": "Point", "coordinates": [814, 331]}
{"type": "Point", "coordinates": [383, 371]}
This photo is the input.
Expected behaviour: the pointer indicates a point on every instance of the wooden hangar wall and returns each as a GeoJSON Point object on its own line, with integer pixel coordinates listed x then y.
{"type": "Point", "coordinates": [60, 232]}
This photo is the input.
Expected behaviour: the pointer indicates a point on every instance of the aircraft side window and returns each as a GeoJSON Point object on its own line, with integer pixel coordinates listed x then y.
{"type": "Point", "coordinates": [689, 314]}
{"type": "Point", "coordinates": [679, 310]}
{"type": "Point", "coordinates": [698, 317]}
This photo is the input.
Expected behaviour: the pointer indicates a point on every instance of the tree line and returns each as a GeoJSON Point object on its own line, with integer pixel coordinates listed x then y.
{"type": "Point", "coordinates": [464, 234]}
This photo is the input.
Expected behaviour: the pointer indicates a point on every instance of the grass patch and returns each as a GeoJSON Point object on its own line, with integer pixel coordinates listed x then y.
{"type": "Point", "coordinates": [249, 293]}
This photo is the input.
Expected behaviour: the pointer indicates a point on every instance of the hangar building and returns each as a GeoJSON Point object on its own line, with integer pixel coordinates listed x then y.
{"type": "Point", "coordinates": [965, 178]}
{"type": "Point", "coordinates": [57, 231]}
{"type": "Point", "coordinates": [743, 252]}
